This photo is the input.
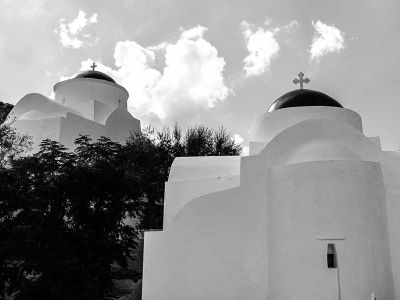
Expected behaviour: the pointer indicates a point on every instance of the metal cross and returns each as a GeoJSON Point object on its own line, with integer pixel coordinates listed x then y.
{"type": "Point", "coordinates": [301, 80]}
{"type": "Point", "coordinates": [93, 66]}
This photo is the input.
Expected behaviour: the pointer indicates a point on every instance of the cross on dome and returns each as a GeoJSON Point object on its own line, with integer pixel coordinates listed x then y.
{"type": "Point", "coordinates": [93, 66]}
{"type": "Point", "coordinates": [301, 80]}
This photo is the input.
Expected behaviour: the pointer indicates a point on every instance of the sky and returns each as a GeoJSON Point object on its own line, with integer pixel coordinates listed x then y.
{"type": "Point", "coordinates": [212, 63]}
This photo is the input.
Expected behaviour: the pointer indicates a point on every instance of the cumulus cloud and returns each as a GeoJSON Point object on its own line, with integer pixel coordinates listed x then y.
{"type": "Point", "coordinates": [292, 24]}
{"type": "Point", "coordinates": [262, 47]}
{"type": "Point", "coordinates": [191, 81]}
{"type": "Point", "coordinates": [71, 34]}
{"type": "Point", "coordinates": [193, 33]}
{"type": "Point", "coordinates": [193, 76]}
{"type": "Point", "coordinates": [327, 39]}
{"type": "Point", "coordinates": [237, 139]}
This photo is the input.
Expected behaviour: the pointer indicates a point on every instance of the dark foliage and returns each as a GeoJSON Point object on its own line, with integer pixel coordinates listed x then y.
{"type": "Point", "coordinates": [12, 144]}
{"type": "Point", "coordinates": [5, 109]}
{"type": "Point", "coordinates": [66, 217]}
{"type": "Point", "coordinates": [62, 220]}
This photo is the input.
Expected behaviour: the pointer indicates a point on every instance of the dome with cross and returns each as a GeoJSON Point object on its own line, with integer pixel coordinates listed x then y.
{"type": "Point", "coordinates": [303, 97]}
{"type": "Point", "coordinates": [95, 74]}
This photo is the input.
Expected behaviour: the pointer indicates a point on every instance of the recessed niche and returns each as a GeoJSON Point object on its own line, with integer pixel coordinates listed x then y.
{"type": "Point", "coordinates": [331, 256]}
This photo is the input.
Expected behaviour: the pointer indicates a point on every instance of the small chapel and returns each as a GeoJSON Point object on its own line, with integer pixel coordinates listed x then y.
{"type": "Point", "coordinates": [91, 103]}
{"type": "Point", "coordinates": [312, 213]}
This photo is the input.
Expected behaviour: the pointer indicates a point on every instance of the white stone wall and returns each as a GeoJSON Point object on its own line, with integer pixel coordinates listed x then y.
{"type": "Point", "coordinates": [192, 177]}
{"type": "Point", "coordinates": [120, 124]}
{"type": "Point", "coordinates": [39, 130]}
{"type": "Point", "coordinates": [179, 193]}
{"type": "Point", "coordinates": [212, 250]}
{"type": "Point", "coordinates": [312, 204]}
{"type": "Point", "coordinates": [72, 126]}
{"type": "Point", "coordinates": [77, 92]}
{"type": "Point", "coordinates": [200, 167]}
{"type": "Point", "coordinates": [268, 125]}
{"type": "Point", "coordinates": [390, 163]}
{"type": "Point", "coordinates": [270, 241]}
{"type": "Point", "coordinates": [317, 181]}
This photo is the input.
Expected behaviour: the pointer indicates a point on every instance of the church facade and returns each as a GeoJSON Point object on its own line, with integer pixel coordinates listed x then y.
{"type": "Point", "coordinates": [312, 213]}
{"type": "Point", "coordinates": [91, 104]}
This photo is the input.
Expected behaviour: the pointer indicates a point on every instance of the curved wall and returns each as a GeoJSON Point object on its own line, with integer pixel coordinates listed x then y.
{"type": "Point", "coordinates": [77, 92]}
{"type": "Point", "coordinates": [269, 240]}
{"type": "Point", "coordinates": [311, 140]}
{"type": "Point", "coordinates": [319, 139]}
{"type": "Point", "coordinates": [192, 177]}
{"type": "Point", "coordinates": [312, 204]}
{"type": "Point", "coordinates": [214, 249]}
{"type": "Point", "coordinates": [121, 124]}
{"type": "Point", "coordinates": [45, 107]}
{"type": "Point", "coordinates": [270, 124]}
{"type": "Point", "coordinates": [179, 193]}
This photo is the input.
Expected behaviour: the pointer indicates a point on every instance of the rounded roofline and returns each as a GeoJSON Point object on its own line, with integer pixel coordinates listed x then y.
{"type": "Point", "coordinates": [95, 75]}
{"type": "Point", "coordinates": [75, 79]}
{"type": "Point", "coordinates": [268, 124]}
{"type": "Point", "coordinates": [31, 101]}
{"type": "Point", "coordinates": [303, 97]}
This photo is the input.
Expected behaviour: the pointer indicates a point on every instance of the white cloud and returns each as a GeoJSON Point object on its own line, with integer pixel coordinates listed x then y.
{"type": "Point", "coordinates": [93, 18]}
{"type": "Point", "coordinates": [262, 47]}
{"type": "Point", "coordinates": [237, 139]}
{"type": "Point", "coordinates": [194, 33]}
{"type": "Point", "coordinates": [71, 34]}
{"type": "Point", "coordinates": [268, 21]}
{"type": "Point", "coordinates": [160, 46]}
{"type": "Point", "coordinates": [291, 25]}
{"type": "Point", "coordinates": [327, 39]}
{"type": "Point", "coordinates": [191, 82]}
{"type": "Point", "coordinates": [193, 76]}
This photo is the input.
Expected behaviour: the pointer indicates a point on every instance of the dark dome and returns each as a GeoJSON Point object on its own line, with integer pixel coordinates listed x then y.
{"type": "Point", "coordinates": [95, 75]}
{"type": "Point", "coordinates": [303, 97]}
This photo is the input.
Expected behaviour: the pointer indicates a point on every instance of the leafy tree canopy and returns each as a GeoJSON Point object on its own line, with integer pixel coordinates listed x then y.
{"type": "Point", "coordinates": [151, 154]}
{"type": "Point", "coordinates": [12, 143]}
{"type": "Point", "coordinates": [65, 216]}
{"type": "Point", "coordinates": [5, 109]}
{"type": "Point", "coordinates": [63, 220]}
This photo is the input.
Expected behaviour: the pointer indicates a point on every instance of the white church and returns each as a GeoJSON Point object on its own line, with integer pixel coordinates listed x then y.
{"type": "Point", "coordinates": [91, 104]}
{"type": "Point", "coordinates": [312, 213]}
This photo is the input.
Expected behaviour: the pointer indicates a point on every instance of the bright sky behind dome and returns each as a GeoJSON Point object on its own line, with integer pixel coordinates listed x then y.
{"type": "Point", "coordinates": [211, 62]}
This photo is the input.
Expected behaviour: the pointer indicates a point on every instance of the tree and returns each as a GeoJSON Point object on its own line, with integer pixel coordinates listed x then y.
{"type": "Point", "coordinates": [63, 220]}
{"type": "Point", "coordinates": [66, 217]}
{"type": "Point", "coordinates": [12, 143]}
{"type": "Point", "coordinates": [151, 154]}
{"type": "Point", "coordinates": [5, 109]}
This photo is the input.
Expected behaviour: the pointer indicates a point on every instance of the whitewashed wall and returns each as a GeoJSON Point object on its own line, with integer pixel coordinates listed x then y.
{"type": "Point", "coordinates": [77, 92]}
{"type": "Point", "coordinates": [316, 182]}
